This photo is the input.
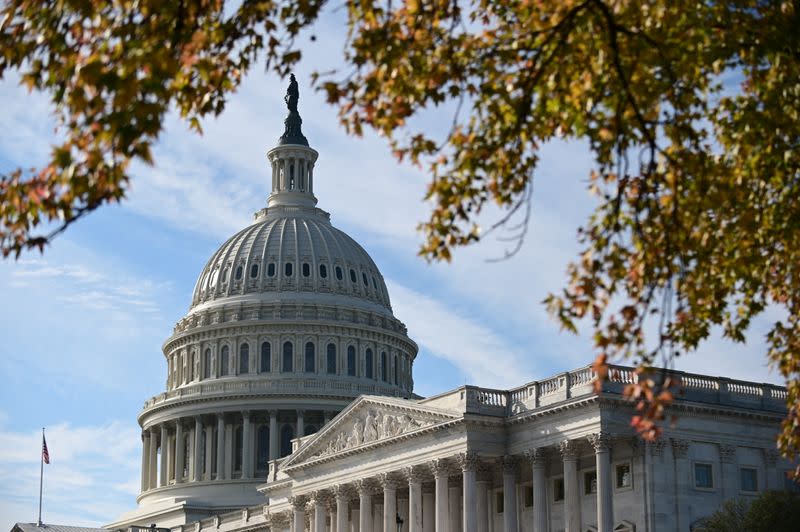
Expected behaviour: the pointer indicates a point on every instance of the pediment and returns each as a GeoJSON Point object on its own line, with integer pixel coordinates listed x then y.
{"type": "Point", "coordinates": [369, 421]}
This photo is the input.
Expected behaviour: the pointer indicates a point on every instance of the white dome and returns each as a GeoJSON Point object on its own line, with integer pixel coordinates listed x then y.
{"type": "Point", "coordinates": [291, 253]}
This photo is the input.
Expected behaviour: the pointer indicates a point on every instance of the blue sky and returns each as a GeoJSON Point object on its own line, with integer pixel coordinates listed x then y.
{"type": "Point", "coordinates": [83, 324]}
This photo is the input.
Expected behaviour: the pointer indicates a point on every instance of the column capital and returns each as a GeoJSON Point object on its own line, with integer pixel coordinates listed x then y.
{"type": "Point", "coordinates": [245, 414]}
{"type": "Point", "coordinates": [198, 419]}
{"type": "Point", "coordinates": [600, 441]}
{"type": "Point", "coordinates": [440, 467]}
{"type": "Point", "coordinates": [680, 448]}
{"type": "Point", "coordinates": [656, 446]}
{"type": "Point", "coordinates": [342, 491]}
{"type": "Point", "coordinates": [771, 457]}
{"type": "Point", "coordinates": [272, 413]}
{"type": "Point", "coordinates": [727, 453]}
{"type": "Point", "coordinates": [298, 502]}
{"type": "Point", "coordinates": [468, 461]}
{"type": "Point", "coordinates": [319, 497]}
{"type": "Point", "coordinates": [509, 464]}
{"type": "Point", "coordinates": [364, 486]}
{"type": "Point", "coordinates": [145, 434]}
{"type": "Point", "coordinates": [300, 412]}
{"type": "Point", "coordinates": [387, 481]}
{"type": "Point", "coordinates": [413, 474]}
{"type": "Point", "coordinates": [568, 449]}
{"type": "Point", "coordinates": [536, 455]}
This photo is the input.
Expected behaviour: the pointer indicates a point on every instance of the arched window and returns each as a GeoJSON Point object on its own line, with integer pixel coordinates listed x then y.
{"type": "Point", "coordinates": [352, 275]}
{"type": "Point", "coordinates": [266, 358]}
{"type": "Point", "coordinates": [287, 435]}
{"type": "Point", "coordinates": [244, 359]}
{"type": "Point", "coordinates": [384, 367]}
{"type": "Point", "coordinates": [364, 277]}
{"type": "Point", "coordinates": [339, 273]}
{"type": "Point", "coordinates": [311, 358]}
{"type": "Point", "coordinates": [254, 271]}
{"type": "Point", "coordinates": [207, 364]}
{"type": "Point", "coordinates": [224, 362]}
{"type": "Point", "coordinates": [369, 363]}
{"type": "Point", "coordinates": [331, 358]}
{"type": "Point", "coordinates": [394, 369]}
{"type": "Point", "coordinates": [271, 269]}
{"type": "Point", "coordinates": [351, 361]}
{"type": "Point", "coordinates": [287, 269]}
{"type": "Point", "coordinates": [262, 453]}
{"type": "Point", "coordinates": [239, 272]}
{"type": "Point", "coordinates": [306, 269]}
{"type": "Point", "coordinates": [288, 357]}
{"type": "Point", "coordinates": [237, 447]}
{"type": "Point", "coordinates": [323, 271]}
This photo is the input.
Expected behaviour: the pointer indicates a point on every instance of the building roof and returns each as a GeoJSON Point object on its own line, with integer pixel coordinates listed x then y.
{"type": "Point", "coordinates": [46, 527]}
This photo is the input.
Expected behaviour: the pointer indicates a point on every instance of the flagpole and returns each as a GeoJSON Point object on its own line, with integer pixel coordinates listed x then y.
{"type": "Point", "coordinates": [41, 476]}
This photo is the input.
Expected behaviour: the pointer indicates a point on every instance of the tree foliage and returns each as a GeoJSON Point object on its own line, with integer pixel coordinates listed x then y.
{"type": "Point", "coordinates": [691, 111]}
{"type": "Point", "coordinates": [771, 511]}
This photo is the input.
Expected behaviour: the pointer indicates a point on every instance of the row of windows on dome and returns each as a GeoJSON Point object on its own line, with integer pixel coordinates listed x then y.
{"type": "Point", "coordinates": [290, 173]}
{"type": "Point", "coordinates": [380, 365]}
{"type": "Point", "coordinates": [289, 272]}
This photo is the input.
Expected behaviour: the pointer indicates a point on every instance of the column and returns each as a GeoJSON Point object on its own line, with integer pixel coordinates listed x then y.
{"type": "Point", "coordinates": [332, 515]}
{"type": "Point", "coordinates": [197, 455]}
{"type": "Point", "coordinates": [440, 471]}
{"type": "Point", "coordinates": [298, 513]}
{"type": "Point", "coordinates": [179, 451]}
{"type": "Point", "coordinates": [389, 503]}
{"type": "Point", "coordinates": [209, 454]}
{"type": "Point", "coordinates": [572, 496]}
{"type": "Point", "coordinates": [729, 474]}
{"type": "Point", "coordinates": [538, 462]}
{"type": "Point", "coordinates": [319, 512]}
{"type": "Point", "coordinates": [340, 492]}
{"type": "Point", "coordinates": [355, 520]}
{"type": "Point", "coordinates": [162, 478]}
{"type": "Point", "coordinates": [482, 504]}
{"type": "Point", "coordinates": [274, 445]}
{"type": "Point", "coordinates": [454, 515]}
{"type": "Point", "coordinates": [365, 506]}
{"type": "Point", "coordinates": [683, 481]}
{"type": "Point", "coordinates": [247, 452]}
{"type": "Point", "coordinates": [601, 442]}
{"type": "Point", "coordinates": [771, 482]}
{"type": "Point", "coordinates": [220, 446]}
{"type": "Point", "coordinates": [301, 428]}
{"type": "Point", "coordinates": [414, 477]}
{"type": "Point", "coordinates": [152, 477]}
{"type": "Point", "coordinates": [428, 508]}
{"type": "Point", "coordinates": [510, 523]}
{"type": "Point", "coordinates": [145, 461]}
{"type": "Point", "coordinates": [469, 463]}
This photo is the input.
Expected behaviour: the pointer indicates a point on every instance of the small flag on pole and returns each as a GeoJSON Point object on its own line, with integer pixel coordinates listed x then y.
{"type": "Point", "coordinates": [45, 454]}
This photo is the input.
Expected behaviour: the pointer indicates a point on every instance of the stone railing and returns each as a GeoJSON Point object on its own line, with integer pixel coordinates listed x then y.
{"type": "Point", "coordinates": [582, 382]}
{"type": "Point", "coordinates": [276, 386]}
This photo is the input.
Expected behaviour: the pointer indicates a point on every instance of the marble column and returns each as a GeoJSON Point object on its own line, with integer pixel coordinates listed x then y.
{"type": "Point", "coordinates": [454, 514]}
{"type": "Point", "coordinates": [145, 461]}
{"type": "Point", "coordinates": [209, 454]}
{"type": "Point", "coordinates": [355, 520]}
{"type": "Point", "coordinates": [414, 477]}
{"type": "Point", "coordinates": [365, 506]}
{"type": "Point", "coordinates": [301, 427]}
{"type": "Point", "coordinates": [469, 463]}
{"type": "Point", "coordinates": [440, 470]}
{"type": "Point", "coordinates": [729, 473]}
{"type": "Point", "coordinates": [180, 449]}
{"type": "Point", "coordinates": [572, 496]}
{"type": "Point", "coordinates": [197, 455]}
{"type": "Point", "coordinates": [483, 483]}
{"type": "Point", "coordinates": [389, 503]}
{"type": "Point", "coordinates": [298, 513]}
{"type": "Point", "coordinates": [510, 522]}
{"type": "Point", "coordinates": [247, 451]}
{"type": "Point", "coordinates": [332, 515]}
{"type": "Point", "coordinates": [683, 482]}
{"type": "Point", "coordinates": [164, 444]}
{"type": "Point", "coordinates": [538, 461]}
{"type": "Point", "coordinates": [771, 482]}
{"type": "Point", "coordinates": [152, 477]}
{"type": "Point", "coordinates": [220, 446]}
{"type": "Point", "coordinates": [601, 442]}
{"type": "Point", "coordinates": [319, 512]}
{"type": "Point", "coordinates": [342, 496]}
{"type": "Point", "coordinates": [428, 508]}
{"type": "Point", "coordinates": [274, 442]}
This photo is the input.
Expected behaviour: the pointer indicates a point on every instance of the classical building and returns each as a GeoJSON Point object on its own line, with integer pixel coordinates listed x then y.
{"type": "Point", "coordinates": [289, 407]}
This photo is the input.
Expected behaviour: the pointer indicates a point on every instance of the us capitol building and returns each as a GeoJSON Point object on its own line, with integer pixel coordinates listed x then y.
{"type": "Point", "coordinates": [290, 407]}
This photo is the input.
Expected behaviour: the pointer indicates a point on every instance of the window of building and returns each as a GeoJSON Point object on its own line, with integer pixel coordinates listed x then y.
{"type": "Point", "coordinates": [239, 273]}
{"type": "Point", "coordinates": [262, 448]}
{"type": "Point", "coordinates": [351, 361]}
{"type": "Point", "coordinates": [287, 435]}
{"type": "Point", "coordinates": [703, 476]}
{"type": "Point", "coordinates": [528, 496]}
{"type": "Point", "coordinates": [311, 358]}
{"type": "Point", "coordinates": [394, 369]}
{"type": "Point", "coordinates": [244, 359]}
{"type": "Point", "coordinates": [224, 361]}
{"type": "Point", "coordinates": [271, 269]}
{"type": "Point", "coordinates": [384, 375]}
{"type": "Point", "coordinates": [368, 363]}
{"type": "Point", "coordinates": [374, 284]}
{"type": "Point", "coordinates": [590, 482]}
{"type": "Point", "coordinates": [306, 269]}
{"type": "Point", "coordinates": [499, 502]}
{"type": "Point", "coordinates": [748, 479]}
{"type": "Point", "coordinates": [287, 269]}
{"type": "Point", "coordinates": [266, 358]}
{"type": "Point", "coordinates": [207, 364]}
{"type": "Point", "coordinates": [225, 275]}
{"type": "Point", "coordinates": [237, 446]}
{"type": "Point", "coordinates": [288, 357]}
{"type": "Point", "coordinates": [331, 365]}
{"type": "Point", "coordinates": [323, 271]}
{"type": "Point", "coordinates": [352, 275]}
{"type": "Point", "coordinates": [623, 476]}
{"type": "Point", "coordinates": [254, 271]}
{"type": "Point", "coordinates": [364, 277]}
{"type": "Point", "coordinates": [338, 273]}
{"type": "Point", "coordinates": [558, 489]}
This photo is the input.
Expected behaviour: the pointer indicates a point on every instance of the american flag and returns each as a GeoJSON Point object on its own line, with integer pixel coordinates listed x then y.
{"type": "Point", "coordinates": [45, 454]}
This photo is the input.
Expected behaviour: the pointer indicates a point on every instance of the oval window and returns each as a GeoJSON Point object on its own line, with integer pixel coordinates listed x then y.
{"type": "Point", "coordinates": [364, 277]}
{"type": "Point", "coordinates": [254, 271]}
{"type": "Point", "coordinates": [323, 271]}
{"type": "Point", "coordinates": [287, 269]}
{"type": "Point", "coordinates": [238, 272]}
{"type": "Point", "coordinates": [306, 270]}
{"type": "Point", "coordinates": [374, 284]}
{"type": "Point", "coordinates": [271, 269]}
{"type": "Point", "coordinates": [338, 273]}
{"type": "Point", "coordinates": [352, 275]}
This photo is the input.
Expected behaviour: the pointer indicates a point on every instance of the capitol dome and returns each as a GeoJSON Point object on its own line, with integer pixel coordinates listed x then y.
{"type": "Point", "coordinates": [289, 322]}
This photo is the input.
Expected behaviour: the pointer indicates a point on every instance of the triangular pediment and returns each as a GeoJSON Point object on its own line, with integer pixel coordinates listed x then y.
{"type": "Point", "coordinates": [368, 422]}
